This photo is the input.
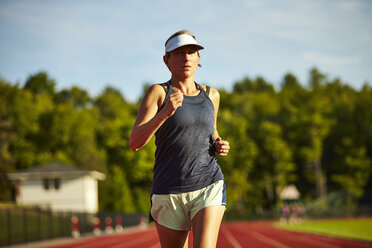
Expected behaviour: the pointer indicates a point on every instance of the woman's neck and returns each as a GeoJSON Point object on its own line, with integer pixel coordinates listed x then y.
{"type": "Point", "coordinates": [186, 86]}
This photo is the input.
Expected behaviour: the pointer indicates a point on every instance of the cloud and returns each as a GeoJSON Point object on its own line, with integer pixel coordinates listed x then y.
{"type": "Point", "coordinates": [349, 5]}
{"type": "Point", "coordinates": [122, 41]}
{"type": "Point", "coordinates": [331, 61]}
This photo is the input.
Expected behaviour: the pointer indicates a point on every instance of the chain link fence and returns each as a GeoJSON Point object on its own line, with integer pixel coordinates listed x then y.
{"type": "Point", "coordinates": [23, 225]}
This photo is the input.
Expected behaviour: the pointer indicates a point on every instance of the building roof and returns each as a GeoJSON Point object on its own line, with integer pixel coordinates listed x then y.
{"type": "Point", "coordinates": [290, 192]}
{"type": "Point", "coordinates": [54, 170]}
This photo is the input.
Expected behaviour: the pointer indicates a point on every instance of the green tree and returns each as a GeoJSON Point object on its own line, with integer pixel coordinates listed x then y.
{"type": "Point", "coordinates": [276, 158]}
{"type": "Point", "coordinates": [26, 111]}
{"type": "Point", "coordinates": [115, 192]}
{"type": "Point", "coordinates": [7, 160]}
{"type": "Point", "coordinates": [238, 165]}
{"type": "Point", "coordinates": [115, 124]}
{"type": "Point", "coordinates": [346, 153]}
{"type": "Point", "coordinates": [306, 122]}
{"type": "Point", "coordinates": [78, 97]}
{"type": "Point", "coordinates": [249, 85]}
{"type": "Point", "coordinates": [318, 137]}
{"type": "Point", "coordinates": [40, 83]}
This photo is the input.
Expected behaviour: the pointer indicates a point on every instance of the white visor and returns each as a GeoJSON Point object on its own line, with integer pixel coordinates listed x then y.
{"type": "Point", "coordinates": [179, 41]}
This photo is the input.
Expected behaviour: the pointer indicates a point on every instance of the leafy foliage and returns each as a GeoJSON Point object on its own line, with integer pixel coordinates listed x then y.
{"type": "Point", "coordinates": [317, 137]}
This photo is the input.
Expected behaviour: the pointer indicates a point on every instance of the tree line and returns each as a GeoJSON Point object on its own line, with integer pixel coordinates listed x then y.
{"type": "Point", "coordinates": [318, 137]}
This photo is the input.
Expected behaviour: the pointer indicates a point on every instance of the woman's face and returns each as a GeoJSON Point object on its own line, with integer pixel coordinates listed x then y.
{"type": "Point", "coordinates": [183, 61]}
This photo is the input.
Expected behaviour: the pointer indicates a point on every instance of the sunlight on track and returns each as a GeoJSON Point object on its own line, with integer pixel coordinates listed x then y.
{"type": "Point", "coordinates": [262, 234]}
{"type": "Point", "coordinates": [267, 240]}
{"type": "Point", "coordinates": [230, 237]}
{"type": "Point", "coordinates": [314, 240]}
{"type": "Point", "coordinates": [135, 242]}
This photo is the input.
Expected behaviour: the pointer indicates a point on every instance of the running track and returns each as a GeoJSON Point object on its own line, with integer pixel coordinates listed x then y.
{"type": "Point", "coordinates": [232, 235]}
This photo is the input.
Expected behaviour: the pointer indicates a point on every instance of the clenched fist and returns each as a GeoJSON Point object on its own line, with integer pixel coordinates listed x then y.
{"type": "Point", "coordinates": [222, 147]}
{"type": "Point", "coordinates": [173, 103]}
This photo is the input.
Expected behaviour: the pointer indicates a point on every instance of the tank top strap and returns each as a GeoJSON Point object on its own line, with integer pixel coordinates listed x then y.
{"type": "Point", "coordinates": [206, 91]}
{"type": "Point", "coordinates": [167, 86]}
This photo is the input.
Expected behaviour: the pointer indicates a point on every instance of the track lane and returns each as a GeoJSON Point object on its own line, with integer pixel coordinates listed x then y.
{"type": "Point", "coordinates": [232, 235]}
{"type": "Point", "coordinates": [272, 237]}
{"type": "Point", "coordinates": [133, 238]}
{"type": "Point", "coordinates": [231, 240]}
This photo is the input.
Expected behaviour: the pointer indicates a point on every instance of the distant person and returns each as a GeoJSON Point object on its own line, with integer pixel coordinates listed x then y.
{"type": "Point", "coordinates": [294, 213]}
{"type": "Point", "coordinates": [188, 187]}
{"type": "Point", "coordinates": [301, 210]}
{"type": "Point", "coordinates": [285, 213]}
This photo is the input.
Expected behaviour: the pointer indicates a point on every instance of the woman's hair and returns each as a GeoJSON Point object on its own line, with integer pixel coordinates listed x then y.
{"type": "Point", "coordinates": [176, 34]}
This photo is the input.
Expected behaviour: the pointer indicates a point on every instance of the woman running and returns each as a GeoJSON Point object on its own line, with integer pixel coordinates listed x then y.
{"type": "Point", "coordinates": [188, 190]}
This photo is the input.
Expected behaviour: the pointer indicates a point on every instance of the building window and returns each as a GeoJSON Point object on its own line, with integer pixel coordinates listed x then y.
{"type": "Point", "coordinates": [46, 183]}
{"type": "Point", "coordinates": [50, 183]}
{"type": "Point", "coordinates": [57, 183]}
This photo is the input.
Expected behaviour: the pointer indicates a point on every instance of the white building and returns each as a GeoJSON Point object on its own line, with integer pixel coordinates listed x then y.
{"type": "Point", "coordinates": [58, 187]}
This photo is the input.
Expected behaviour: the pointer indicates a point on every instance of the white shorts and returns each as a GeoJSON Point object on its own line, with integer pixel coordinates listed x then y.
{"type": "Point", "coordinates": [176, 211]}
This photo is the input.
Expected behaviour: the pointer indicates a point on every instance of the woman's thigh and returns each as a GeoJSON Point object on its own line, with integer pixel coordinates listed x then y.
{"type": "Point", "coordinates": [170, 238]}
{"type": "Point", "coordinates": [206, 225]}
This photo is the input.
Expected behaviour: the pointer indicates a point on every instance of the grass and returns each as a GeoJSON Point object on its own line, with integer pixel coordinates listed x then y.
{"type": "Point", "coordinates": [359, 228]}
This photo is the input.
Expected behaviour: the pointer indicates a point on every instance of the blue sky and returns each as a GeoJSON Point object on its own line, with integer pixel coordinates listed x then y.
{"type": "Point", "coordinates": [94, 43]}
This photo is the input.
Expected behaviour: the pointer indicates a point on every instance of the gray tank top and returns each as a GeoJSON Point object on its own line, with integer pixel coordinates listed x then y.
{"type": "Point", "coordinates": [185, 157]}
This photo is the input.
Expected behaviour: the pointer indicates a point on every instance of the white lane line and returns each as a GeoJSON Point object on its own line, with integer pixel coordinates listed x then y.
{"type": "Point", "coordinates": [134, 241]}
{"type": "Point", "coordinates": [96, 242]}
{"type": "Point", "coordinates": [267, 240]}
{"type": "Point", "coordinates": [104, 241]}
{"type": "Point", "coordinates": [230, 237]}
{"type": "Point", "coordinates": [312, 241]}
{"type": "Point", "coordinates": [319, 243]}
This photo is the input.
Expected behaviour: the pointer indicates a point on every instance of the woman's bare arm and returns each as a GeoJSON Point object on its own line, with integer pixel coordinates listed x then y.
{"type": "Point", "coordinates": [149, 118]}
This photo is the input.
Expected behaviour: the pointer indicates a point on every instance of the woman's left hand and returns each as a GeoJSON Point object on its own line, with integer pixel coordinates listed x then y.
{"type": "Point", "coordinates": [222, 147]}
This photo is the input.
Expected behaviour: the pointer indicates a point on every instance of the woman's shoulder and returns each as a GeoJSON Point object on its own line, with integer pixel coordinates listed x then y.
{"type": "Point", "coordinates": [154, 94]}
{"type": "Point", "coordinates": [157, 88]}
{"type": "Point", "coordinates": [212, 92]}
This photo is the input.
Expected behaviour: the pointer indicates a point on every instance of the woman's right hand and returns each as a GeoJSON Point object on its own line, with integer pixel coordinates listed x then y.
{"type": "Point", "coordinates": [173, 103]}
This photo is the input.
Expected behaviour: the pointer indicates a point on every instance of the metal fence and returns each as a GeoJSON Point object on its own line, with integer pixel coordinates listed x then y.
{"type": "Point", "coordinates": [23, 225]}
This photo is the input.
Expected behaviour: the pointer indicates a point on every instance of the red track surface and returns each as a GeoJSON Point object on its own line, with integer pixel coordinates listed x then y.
{"type": "Point", "coordinates": [232, 235]}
